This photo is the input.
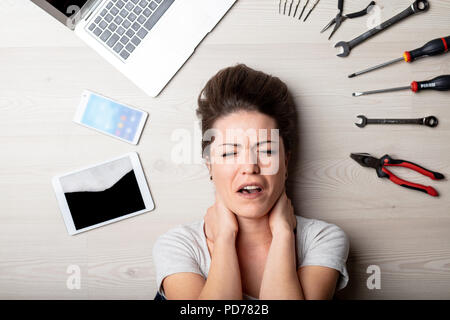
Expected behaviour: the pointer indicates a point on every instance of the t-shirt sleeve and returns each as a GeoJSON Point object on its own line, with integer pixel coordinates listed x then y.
{"type": "Point", "coordinates": [327, 245]}
{"type": "Point", "coordinates": [174, 252]}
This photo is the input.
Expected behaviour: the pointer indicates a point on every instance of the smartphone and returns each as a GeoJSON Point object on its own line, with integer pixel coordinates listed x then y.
{"type": "Point", "coordinates": [110, 117]}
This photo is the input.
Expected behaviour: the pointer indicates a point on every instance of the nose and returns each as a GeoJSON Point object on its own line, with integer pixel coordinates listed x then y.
{"type": "Point", "coordinates": [251, 164]}
{"type": "Point", "coordinates": [250, 168]}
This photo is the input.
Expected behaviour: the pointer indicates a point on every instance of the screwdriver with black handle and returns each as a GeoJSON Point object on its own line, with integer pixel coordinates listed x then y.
{"type": "Point", "coordinates": [441, 83]}
{"type": "Point", "coordinates": [431, 48]}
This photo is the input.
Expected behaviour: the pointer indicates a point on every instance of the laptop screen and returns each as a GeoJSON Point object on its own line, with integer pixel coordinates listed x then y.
{"type": "Point", "coordinates": [68, 7]}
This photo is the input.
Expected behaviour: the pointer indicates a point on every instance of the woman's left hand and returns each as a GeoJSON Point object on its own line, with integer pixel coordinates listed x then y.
{"type": "Point", "coordinates": [281, 217]}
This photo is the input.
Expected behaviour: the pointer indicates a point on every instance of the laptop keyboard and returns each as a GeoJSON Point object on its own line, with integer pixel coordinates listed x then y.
{"type": "Point", "coordinates": [123, 24]}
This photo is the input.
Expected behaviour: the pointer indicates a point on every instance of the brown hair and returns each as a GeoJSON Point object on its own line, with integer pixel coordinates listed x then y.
{"type": "Point", "coordinates": [241, 88]}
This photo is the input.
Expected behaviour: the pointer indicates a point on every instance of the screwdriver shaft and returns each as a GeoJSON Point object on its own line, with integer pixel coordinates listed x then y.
{"type": "Point", "coordinates": [311, 10]}
{"type": "Point", "coordinates": [357, 94]}
{"type": "Point", "coordinates": [303, 10]}
{"type": "Point", "coordinates": [296, 8]}
{"type": "Point", "coordinates": [376, 67]}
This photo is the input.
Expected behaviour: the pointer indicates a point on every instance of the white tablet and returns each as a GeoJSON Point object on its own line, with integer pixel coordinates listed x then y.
{"type": "Point", "coordinates": [104, 193]}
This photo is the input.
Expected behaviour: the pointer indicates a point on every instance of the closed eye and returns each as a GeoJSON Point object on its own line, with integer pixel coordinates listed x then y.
{"type": "Point", "coordinates": [228, 154]}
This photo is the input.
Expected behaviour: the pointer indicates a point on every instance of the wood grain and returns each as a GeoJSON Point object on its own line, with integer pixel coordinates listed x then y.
{"type": "Point", "coordinates": [44, 69]}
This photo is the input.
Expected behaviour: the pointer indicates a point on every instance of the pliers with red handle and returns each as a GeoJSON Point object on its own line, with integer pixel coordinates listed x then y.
{"type": "Point", "coordinates": [366, 160]}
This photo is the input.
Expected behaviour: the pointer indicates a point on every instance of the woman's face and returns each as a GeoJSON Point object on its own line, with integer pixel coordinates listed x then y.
{"type": "Point", "coordinates": [247, 162]}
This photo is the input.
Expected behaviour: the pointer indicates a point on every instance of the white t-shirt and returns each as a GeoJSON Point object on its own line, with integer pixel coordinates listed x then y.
{"type": "Point", "coordinates": [184, 249]}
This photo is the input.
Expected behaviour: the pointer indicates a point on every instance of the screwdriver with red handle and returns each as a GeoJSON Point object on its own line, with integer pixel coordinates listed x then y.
{"type": "Point", "coordinates": [431, 48]}
{"type": "Point", "coordinates": [441, 83]}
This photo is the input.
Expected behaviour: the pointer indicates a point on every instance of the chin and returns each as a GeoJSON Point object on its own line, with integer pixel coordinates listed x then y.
{"type": "Point", "coordinates": [251, 211]}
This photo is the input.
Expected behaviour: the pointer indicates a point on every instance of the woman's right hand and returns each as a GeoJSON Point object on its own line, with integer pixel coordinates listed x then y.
{"type": "Point", "coordinates": [220, 222]}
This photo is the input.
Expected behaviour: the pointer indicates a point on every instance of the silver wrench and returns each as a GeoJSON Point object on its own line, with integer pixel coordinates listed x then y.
{"type": "Point", "coordinates": [430, 121]}
{"type": "Point", "coordinates": [417, 7]}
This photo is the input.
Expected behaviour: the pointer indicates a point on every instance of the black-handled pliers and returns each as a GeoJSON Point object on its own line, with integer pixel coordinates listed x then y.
{"type": "Point", "coordinates": [340, 17]}
{"type": "Point", "coordinates": [366, 160]}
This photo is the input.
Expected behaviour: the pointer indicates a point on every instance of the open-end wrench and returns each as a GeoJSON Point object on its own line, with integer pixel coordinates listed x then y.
{"type": "Point", "coordinates": [417, 7]}
{"type": "Point", "coordinates": [430, 121]}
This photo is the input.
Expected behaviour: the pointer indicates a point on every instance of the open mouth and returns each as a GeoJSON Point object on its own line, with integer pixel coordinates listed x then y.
{"type": "Point", "coordinates": [250, 190]}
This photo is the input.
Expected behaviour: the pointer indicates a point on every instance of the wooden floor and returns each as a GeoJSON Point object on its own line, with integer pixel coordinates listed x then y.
{"type": "Point", "coordinates": [44, 68]}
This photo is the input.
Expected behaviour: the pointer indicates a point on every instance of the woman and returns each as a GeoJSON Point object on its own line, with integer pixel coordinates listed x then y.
{"type": "Point", "coordinates": [250, 245]}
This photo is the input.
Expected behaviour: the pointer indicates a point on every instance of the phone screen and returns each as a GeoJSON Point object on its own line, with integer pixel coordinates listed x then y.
{"type": "Point", "coordinates": [111, 117]}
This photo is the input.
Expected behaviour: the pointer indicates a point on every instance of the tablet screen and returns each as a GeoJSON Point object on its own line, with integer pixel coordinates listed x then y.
{"type": "Point", "coordinates": [102, 193]}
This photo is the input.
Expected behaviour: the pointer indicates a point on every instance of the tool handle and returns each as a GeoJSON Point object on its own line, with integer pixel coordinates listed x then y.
{"type": "Point", "coordinates": [341, 5]}
{"type": "Point", "coordinates": [395, 121]}
{"type": "Point", "coordinates": [360, 13]}
{"type": "Point", "coordinates": [410, 185]}
{"type": "Point", "coordinates": [417, 7]}
{"type": "Point", "coordinates": [431, 48]}
{"type": "Point", "coordinates": [410, 165]}
{"type": "Point", "coordinates": [441, 83]}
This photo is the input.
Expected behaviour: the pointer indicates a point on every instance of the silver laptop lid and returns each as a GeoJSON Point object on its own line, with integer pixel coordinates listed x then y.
{"type": "Point", "coordinates": [68, 12]}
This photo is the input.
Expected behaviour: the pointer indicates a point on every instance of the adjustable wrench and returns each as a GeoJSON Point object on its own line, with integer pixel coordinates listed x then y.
{"type": "Point", "coordinates": [417, 7]}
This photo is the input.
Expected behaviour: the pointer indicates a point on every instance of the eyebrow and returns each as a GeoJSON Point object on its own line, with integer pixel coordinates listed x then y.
{"type": "Point", "coordinates": [238, 145]}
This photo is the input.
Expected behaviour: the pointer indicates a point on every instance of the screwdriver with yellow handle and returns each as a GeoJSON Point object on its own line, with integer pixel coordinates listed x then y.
{"type": "Point", "coordinates": [441, 83]}
{"type": "Point", "coordinates": [431, 48]}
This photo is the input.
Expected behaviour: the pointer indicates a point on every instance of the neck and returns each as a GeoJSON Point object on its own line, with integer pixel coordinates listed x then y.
{"type": "Point", "coordinates": [253, 232]}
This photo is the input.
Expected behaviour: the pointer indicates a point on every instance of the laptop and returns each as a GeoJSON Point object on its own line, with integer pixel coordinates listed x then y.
{"type": "Point", "coordinates": [147, 40]}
